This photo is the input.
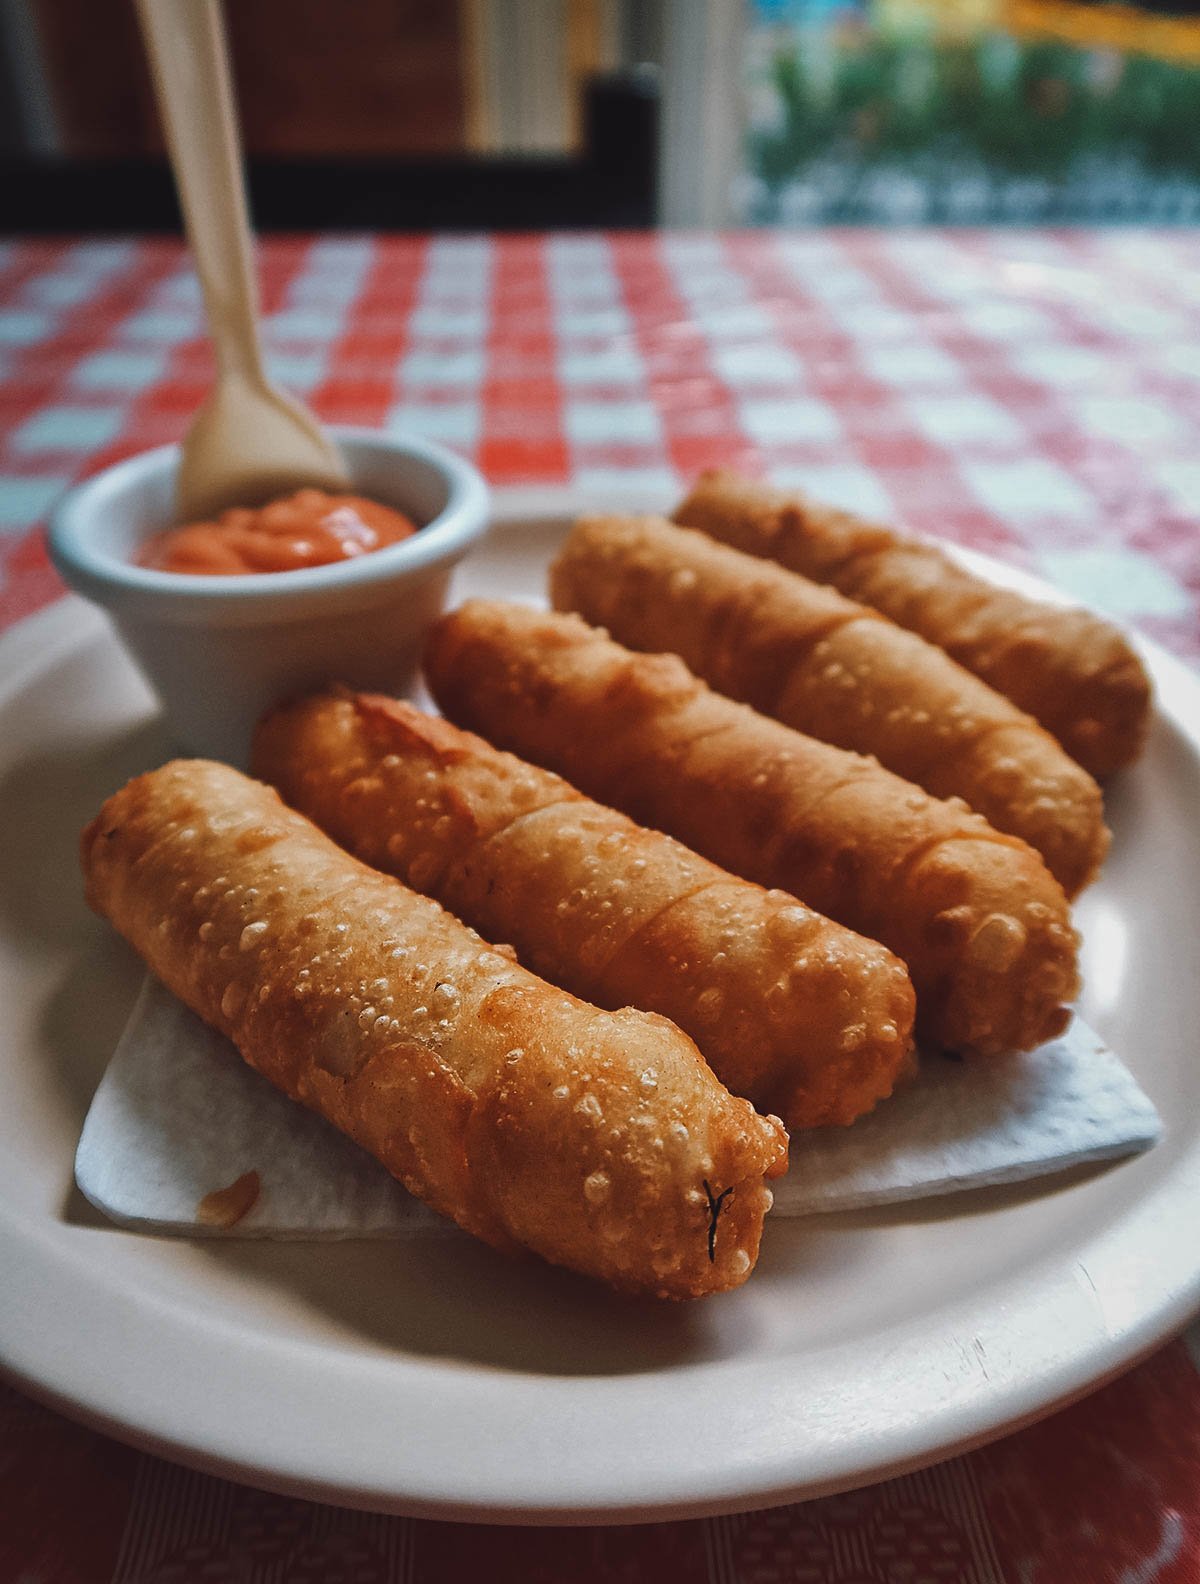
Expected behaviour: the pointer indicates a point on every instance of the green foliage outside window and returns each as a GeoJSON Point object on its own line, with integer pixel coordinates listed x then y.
{"type": "Point", "coordinates": [1039, 110]}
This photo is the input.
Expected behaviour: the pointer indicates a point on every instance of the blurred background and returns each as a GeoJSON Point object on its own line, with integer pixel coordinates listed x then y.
{"type": "Point", "coordinates": [413, 114]}
{"type": "Point", "coordinates": [973, 111]}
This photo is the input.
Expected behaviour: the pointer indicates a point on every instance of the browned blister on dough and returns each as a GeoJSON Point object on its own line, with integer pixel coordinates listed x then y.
{"type": "Point", "coordinates": [836, 670]}
{"type": "Point", "coordinates": [980, 922]}
{"type": "Point", "coordinates": [798, 1013]}
{"type": "Point", "coordinates": [1071, 670]}
{"type": "Point", "coordinates": [534, 1120]}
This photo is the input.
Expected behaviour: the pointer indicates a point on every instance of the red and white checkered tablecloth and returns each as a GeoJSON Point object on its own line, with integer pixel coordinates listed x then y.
{"type": "Point", "coordinates": [1033, 394]}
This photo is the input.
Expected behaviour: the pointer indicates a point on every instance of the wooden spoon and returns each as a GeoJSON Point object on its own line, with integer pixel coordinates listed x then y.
{"type": "Point", "coordinates": [249, 441]}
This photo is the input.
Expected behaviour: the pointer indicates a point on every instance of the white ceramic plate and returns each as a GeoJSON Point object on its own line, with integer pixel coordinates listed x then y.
{"type": "Point", "coordinates": [437, 1378]}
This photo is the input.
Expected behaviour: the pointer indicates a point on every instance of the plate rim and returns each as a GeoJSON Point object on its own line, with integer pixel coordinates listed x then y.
{"type": "Point", "coordinates": [30, 648]}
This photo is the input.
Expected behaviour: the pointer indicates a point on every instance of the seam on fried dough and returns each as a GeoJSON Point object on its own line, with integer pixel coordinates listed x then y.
{"type": "Point", "coordinates": [836, 669]}
{"type": "Point", "coordinates": [737, 794]}
{"type": "Point", "coordinates": [780, 999]}
{"type": "Point", "coordinates": [498, 1111]}
{"type": "Point", "coordinates": [1072, 670]}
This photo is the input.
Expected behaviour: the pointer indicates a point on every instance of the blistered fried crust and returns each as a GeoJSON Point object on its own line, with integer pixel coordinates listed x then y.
{"type": "Point", "coordinates": [1071, 670]}
{"type": "Point", "coordinates": [837, 670]}
{"type": "Point", "coordinates": [799, 1014]}
{"type": "Point", "coordinates": [595, 1139]}
{"type": "Point", "coordinates": [982, 925]}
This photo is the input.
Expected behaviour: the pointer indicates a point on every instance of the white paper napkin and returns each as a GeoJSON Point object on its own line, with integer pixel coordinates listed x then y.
{"type": "Point", "coordinates": [179, 1116]}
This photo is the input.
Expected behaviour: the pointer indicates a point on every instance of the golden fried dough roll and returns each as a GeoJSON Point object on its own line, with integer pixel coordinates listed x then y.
{"type": "Point", "coordinates": [798, 1014]}
{"type": "Point", "coordinates": [1074, 672]}
{"type": "Point", "coordinates": [600, 1140]}
{"type": "Point", "coordinates": [836, 670]}
{"type": "Point", "coordinates": [981, 923]}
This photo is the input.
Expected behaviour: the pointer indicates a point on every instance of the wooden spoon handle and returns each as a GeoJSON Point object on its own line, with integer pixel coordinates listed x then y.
{"type": "Point", "coordinates": [185, 40]}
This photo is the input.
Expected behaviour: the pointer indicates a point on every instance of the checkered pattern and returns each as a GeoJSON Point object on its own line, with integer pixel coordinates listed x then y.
{"type": "Point", "coordinates": [1033, 394]}
{"type": "Point", "coordinates": [1103, 1493]}
{"type": "Point", "coordinates": [1036, 395]}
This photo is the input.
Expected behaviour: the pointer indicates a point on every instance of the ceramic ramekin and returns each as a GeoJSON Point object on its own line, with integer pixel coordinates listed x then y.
{"type": "Point", "coordinates": [219, 650]}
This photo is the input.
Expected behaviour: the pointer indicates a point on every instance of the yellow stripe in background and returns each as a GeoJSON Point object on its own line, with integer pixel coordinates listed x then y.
{"type": "Point", "coordinates": [1115, 27]}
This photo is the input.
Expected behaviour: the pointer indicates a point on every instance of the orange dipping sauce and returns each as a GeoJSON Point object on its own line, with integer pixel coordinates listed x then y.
{"type": "Point", "coordinates": [307, 529]}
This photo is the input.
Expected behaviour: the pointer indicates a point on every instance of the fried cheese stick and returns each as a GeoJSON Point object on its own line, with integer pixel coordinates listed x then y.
{"type": "Point", "coordinates": [982, 925]}
{"type": "Point", "coordinates": [800, 1015]}
{"type": "Point", "coordinates": [1071, 670]}
{"type": "Point", "coordinates": [836, 670]}
{"type": "Point", "coordinates": [599, 1140]}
